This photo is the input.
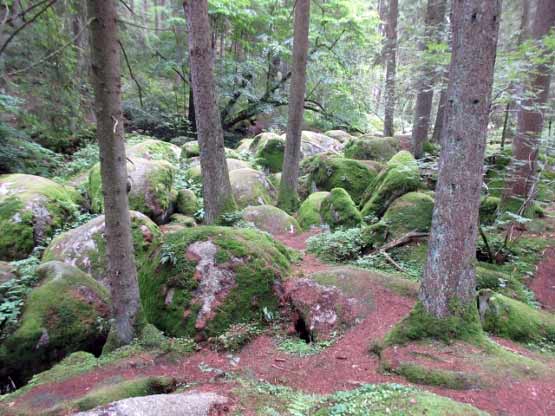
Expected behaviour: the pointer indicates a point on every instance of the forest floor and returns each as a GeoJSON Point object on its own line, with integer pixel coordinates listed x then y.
{"type": "Point", "coordinates": [521, 382]}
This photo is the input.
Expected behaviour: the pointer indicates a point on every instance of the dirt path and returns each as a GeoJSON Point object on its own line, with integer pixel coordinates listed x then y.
{"type": "Point", "coordinates": [344, 365]}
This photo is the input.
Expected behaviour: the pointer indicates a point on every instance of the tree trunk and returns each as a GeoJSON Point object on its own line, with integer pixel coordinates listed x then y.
{"type": "Point", "coordinates": [191, 109]}
{"type": "Point", "coordinates": [435, 14]}
{"type": "Point", "coordinates": [218, 197]}
{"type": "Point", "coordinates": [438, 126]}
{"type": "Point", "coordinates": [113, 168]}
{"type": "Point", "coordinates": [391, 66]}
{"type": "Point", "coordinates": [449, 277]}
{"type": "Point", "coordinates": [522, 171]}
{"type": "Point", "coordinates": [288, 197]}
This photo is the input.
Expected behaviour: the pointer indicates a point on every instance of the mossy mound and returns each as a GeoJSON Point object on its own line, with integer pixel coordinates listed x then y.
{"type": "Point", "coordinates": [187, 202]}
{"type": "Point", "coordinates": [251, 187]}
{"type": "Point", "coordinates": [400, 176]}
{"type": "Point", "coordinates": [270, 154]}
{"type": "Point", "coordinates": [410, 212]}
{"type": "Point", "coordinates": [313, 143]}
{"type": "Point", "coordinates": [152, 149]}
{"type": "Point", "coordinates": [31, 210]}
{"type": "Point", "coordinates": [488, 209]}
{"type": "Point", "coordinates": [505, 283]}
{"type": "Point", "coordinates": [151, 183]}
{"type": "Point", "coordinates": [509, 318]}
{"type": "Point", "coordinates": [271, 219]}
{"type": "Point", "coordinates": [67, 312]}
{"type": "Point", "coordinates": [261, 139]}
{"type": "Point", "coordinates": [380, 149]}
{"type": "Point", "coordinates": [326, 172]}
{"type": "Point", "coordinates": [85, 246]}
{"type": "Point", "coordinates": [205, 279]}
{"type": "Point", "coordinates": [309, 212]}
{"type": "Point", "coordinates": [339, 210]}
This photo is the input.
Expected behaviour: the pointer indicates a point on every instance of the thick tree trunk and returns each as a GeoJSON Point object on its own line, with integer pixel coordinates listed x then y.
{"type": "Point", "coordinates": [113, 168]}
{"type": "Point", "coordinates": [435, 14]}
{"type": "Point", "coordinates": [438, 126]}
{"type": "Point", "coordinates": [391, 66]}
{"type": "Point", "coordinates": [218, 197]}
{"type": "Point", "coordinates": [449, 277]}
{"type": "Point", "coordinates": [288, 197]}
{"type": "Point", "coordinates": [522, 171]}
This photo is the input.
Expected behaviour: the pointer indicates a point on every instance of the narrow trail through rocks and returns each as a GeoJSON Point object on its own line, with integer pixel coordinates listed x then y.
{"type": "Point", "coordinates": [345, 365]}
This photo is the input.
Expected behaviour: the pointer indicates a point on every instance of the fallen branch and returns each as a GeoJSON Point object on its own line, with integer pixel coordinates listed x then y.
{"type": "Point", "coordinates": [393, 262]}
{"type": "Point", "coordinates": [401, 241]}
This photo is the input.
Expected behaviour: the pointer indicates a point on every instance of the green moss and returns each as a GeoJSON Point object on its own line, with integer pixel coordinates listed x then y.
{"type": "Point", "coordinates": [372, 148]}
{"type": "Point", "coordinates": [251, 187]}
{"type": "Point", "coordinates": [271, 219]}
{"type": "Point", "coordinates": [31, 210]}
{"type": "Point", "coordinates": [254, 257]}
{"type": "Point", "coordinates": [419, 374]}
{"type": "Point", "coordinates": [399, 177]}
{"type": "Point", "coordinates": [501, 282]}
{"type": "Point", "coordinates": [326, 172]}
{"type": "Point", "coordinates": [309, 212]}
{"type": "Point", "coordinates": [190, 149]}
{"type": "Point", "coordinates": [515, 320]}
{"type": "Point", "coordinates": [187, 202]}
{"type": "Point", "coordinates": [68, 312]}
{"type": "Point", "coordinates": [270, 154]}
{"type": "Point", "coordinates": [339, 210]}
{"type": "Point", "coordinates": [130, 388]}
{"type": "Point", "coordinates": [155, 150]}
{"type": "Point", "coordinates": [410, 212]}
{"type": "Point", "coordinates": [288, 199]}
{"type": "Point", "coordinates": [463, 324]}
{"type": "Point", "coordinates": [488, 209]}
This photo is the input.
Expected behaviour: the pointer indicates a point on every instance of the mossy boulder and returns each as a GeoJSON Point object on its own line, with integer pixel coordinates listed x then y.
{"type": "Point", "coordinates": [85, 246]}
{"type": "Point", "coordinates": [313, 143]}
{"type": "Point", "coordinates": [31, 210]}
{"type": "Point", "coordinates": [251, 187]}
{"type": "Point", "coordinates": [244, 146]}
{"type": "Point", "coordinates": [207, 278]}
{"type": "Point", "coordinates": [489, 277]}
{"type": "Point", "coordinates": [151, 188]}
{"type": "Point", "coordinates": [339, 135]}
{"type": "Point", "coordinates": [152, 149]}
{"type": "Point", "coordinates": [260, 140]}
{"type": "Point", "coordinates": [410, 212]}
{"type": "Point", "coordinates": [184, 220]}
{"type": "Point", "coordinates": [339, 210]}
{"type": "Point", "coordinates": [69, 311]}
{"type": "Point", "coordinates": [488, 209]}
{"type": "Point", "coordinates": [187, 202]}
{"type": "Point", "coordinates": [400, 176]}
{"type": "Point", "coordinates": [372, 148]}
{"type": "Point", "coordinates": [270, 154]}
{"type": "Point", "coordinates": [271, 219]}
{"type": "Point", "coordinates": [7, 272]}
{"type": "Point", "coordinates": [326, 172]}
{"type": "Point", "coordinates": [309, 212]}
{"type": "Point", "coordinates": [190, 149]}
{"type": "Point", "coordinates": [194, 171]}
{"type": "Point", "coordinates": [509, 318]}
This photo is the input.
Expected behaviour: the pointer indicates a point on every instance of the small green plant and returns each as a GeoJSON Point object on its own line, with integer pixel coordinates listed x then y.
{"type": "Point", "coordinates": [236, 336]}
{"type": "Point", "coordinates": [338, 246]}
{"type": "Point", "coordinates": [297, 346]}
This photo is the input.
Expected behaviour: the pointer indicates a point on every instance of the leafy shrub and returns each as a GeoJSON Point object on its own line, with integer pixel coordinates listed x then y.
{"type": "Point", "coordinates": [337, 246]}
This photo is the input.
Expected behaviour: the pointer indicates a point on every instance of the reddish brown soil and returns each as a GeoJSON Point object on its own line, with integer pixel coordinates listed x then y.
{"type": "Point", "coordinates": [543, 284]}
{"type": "Point", "coordinates": [345, 365]}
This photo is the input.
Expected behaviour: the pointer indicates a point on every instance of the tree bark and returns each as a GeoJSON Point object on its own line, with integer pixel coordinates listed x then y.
{"type": "Point", "coordinates": [391, 66]}
{"type": "Point", "coordinates": [218, 197]}
{"type": "Point", "coordinates": [113, 168]}
{"type": "Point", "coordinates": [449, 277]}
{"type": "Point", "coordinates": [288, 198]}
{"type": "Point", "coordinates": [438, 126]}
{"type": "Point", "coordinates": [435, 14]}
{"type": "Point", "coordinates": [522, 170]}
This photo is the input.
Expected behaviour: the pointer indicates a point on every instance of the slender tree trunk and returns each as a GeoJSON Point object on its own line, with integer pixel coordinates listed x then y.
{"type": "Point", "coordinates": [449, 277]}
{"type": "Point", "coordinates": [191, 116]}
{"type": "Point", "coordinates": [218, 197]}
{"type": "Point", "coordinates": [435, 14]}
{"type": "Point", "coordinates": [438, 126]}
{"type": "Point", "coordinates": [113, 168]}
{"type": "Point", "coordinates": [288, 197]}
{"type": "Point", "coordinates": [391, 66]}
{"type": "Point", "coordinates": [522, 171]}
